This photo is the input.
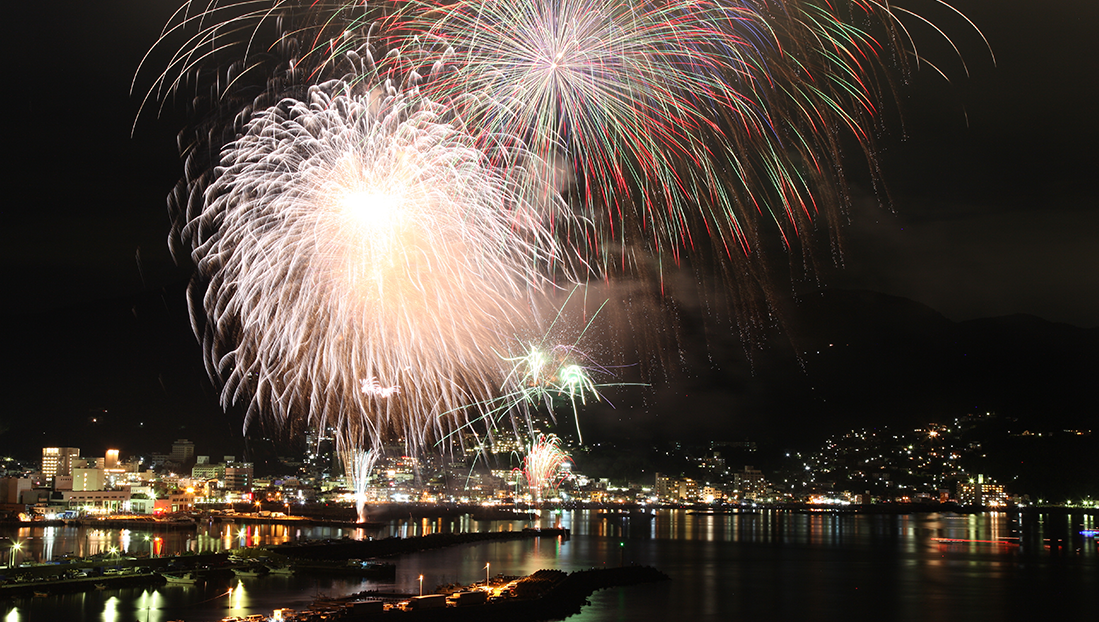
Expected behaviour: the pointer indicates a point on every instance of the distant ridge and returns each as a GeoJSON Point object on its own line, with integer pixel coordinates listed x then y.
{"type": "Point", "coordinates": [841, 358]}
{"type": "Point", "coordinates": [870, 352]}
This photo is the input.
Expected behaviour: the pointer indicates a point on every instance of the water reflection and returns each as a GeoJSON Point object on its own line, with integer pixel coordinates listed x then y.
{"type": "Point", "coordinates": [938, 564]}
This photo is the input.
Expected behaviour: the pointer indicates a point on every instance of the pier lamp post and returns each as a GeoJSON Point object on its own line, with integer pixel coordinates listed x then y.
{"type": "Point", "coordinates": [421, 585]}
{"type": "Point", "coordinates": [487, 564]}
{"type": "Point", "coordinates": [15, 548]}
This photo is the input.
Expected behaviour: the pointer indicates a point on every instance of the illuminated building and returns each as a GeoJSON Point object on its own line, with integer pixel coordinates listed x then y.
{"type": "Point", "coordinates": [88, 479]}
{"type": "Point", "coordinates": [207, 471]}
{"type": "Point", "coordinates": [58, 461]}
{"type": "Point", "coordinates": [981, 492]}
{"type": "Point", "coordinates": [664, 487]}
{"type": "Point", "coordinates": [97, 501]}
{"type": "Point", "coordinates": [238, 476]}
{"type": "Point", "coordinates": [687, 489]}
{"type": "Point", "coordinates": [711, 494]}
{"type": "Point", "coordinates": [176, 502]}
{"type": "Point", "coordinates": [750, 484]}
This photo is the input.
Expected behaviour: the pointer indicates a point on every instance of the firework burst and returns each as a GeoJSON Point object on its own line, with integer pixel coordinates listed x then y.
{"type": "Point", "coordinates": [542, 465]}
{"type": "Point", "coordinates": [676, 126]}
{"type": "Point", "coordinates": [377, 231]}
{"type": "Point", "coordinates": [361, 262]}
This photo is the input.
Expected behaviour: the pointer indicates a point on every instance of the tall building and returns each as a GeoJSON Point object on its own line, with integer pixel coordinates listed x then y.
{"type": "Point", "coordinates": [687, 489]}
{"type": "Point", "coordinates": [182, 450]}
{"type": "Point", "coordinates": [58, 461]}
{"type": "Point", "coordinates": [750, 483]}
{"type": "Point", "coordinates": [664, 487]}
{"type": "Point", "coordinates": [982, 492]}
{"type": "Point", "coordinates": [238, 476]}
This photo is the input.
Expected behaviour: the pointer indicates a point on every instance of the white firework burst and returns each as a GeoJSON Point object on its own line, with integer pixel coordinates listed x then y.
{"type": "Point", "coordinates": [356, 239]}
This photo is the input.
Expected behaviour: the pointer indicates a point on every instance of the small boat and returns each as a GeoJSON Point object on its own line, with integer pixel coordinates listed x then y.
{"type": "Point", "coordinates": [187, 578]}
{"type": "Point", "coordinates": [100, 586]}
{"type": "Point", "coordinates": [251, 571]}
{"type": "Point", "coordinates": [41, 594]}
{"type": "Point", "coordinates": [282, 571]}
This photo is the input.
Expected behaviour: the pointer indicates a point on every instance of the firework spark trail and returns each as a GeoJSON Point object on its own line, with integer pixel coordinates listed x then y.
{"type": "Point", "coordinates": [366, 247]}
{"type": "Point", "coordinates": [542, 465]}
{"type": "Point", "coordinates": [358, 463]}
{"type": "Point", "coordinates": [541, 374]}
{"type": "Point", "coordinates": [544, 370]}
{"type": "Point", "coordinates": [354, 239]}
{"type": "Point", "coordinates": [680, 125]}
{"type": "Point", "coordinates": [536, 377]}
{"type": "Point", "coordinates": [615, 92]}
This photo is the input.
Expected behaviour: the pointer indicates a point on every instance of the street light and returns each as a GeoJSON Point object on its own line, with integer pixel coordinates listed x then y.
{"type": "Point", "coordinates": [487, 564]}
{"type": "Point", "coordinates": [421, 585]}
{"type": "Point", "coordinates": [15, 548]}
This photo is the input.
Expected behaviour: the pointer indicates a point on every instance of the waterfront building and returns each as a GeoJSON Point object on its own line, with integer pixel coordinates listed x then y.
{"type": "Point", "coordinates": [11, 488]}
{"type": "Point", "coordinates": [687, 489]}
{"type": "Point", "coordinates": [96, 501]}
{"type": "Point", "coordinates": [175, 502]}
{"type": "Point", "coordinates": [664, 486]}
{"type": "Point", "coordinates": [711, 494]}
{"type": "Point", "coordinates": [239, 476]}
{"type": "Point", "coordinates": [750, 484]}
{"type": "Point", "coordinates": [58, 461]}
{"type": "Point", "coordinates": [88, 479]}
{"type": "Point", "coordinates": [983, 492]}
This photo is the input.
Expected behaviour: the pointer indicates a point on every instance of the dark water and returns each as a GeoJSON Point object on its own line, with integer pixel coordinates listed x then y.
{"type": "Point", "coordinates": [766, 566]}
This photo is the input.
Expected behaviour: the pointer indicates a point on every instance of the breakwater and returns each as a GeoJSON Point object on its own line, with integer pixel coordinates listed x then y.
{"type": "Point", "coordinates": [386, 547]}
{"type": "Point", "coordinates": [544, 595]}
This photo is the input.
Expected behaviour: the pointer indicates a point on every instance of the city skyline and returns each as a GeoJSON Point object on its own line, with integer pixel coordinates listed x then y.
{"type": "Point", "coordinates": [943, 461]}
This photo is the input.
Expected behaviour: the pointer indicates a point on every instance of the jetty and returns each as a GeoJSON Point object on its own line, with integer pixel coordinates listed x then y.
{"type": "Point", "coordinates": [387, 547]}
{"type": "Point", "coordinates": [545, 595]}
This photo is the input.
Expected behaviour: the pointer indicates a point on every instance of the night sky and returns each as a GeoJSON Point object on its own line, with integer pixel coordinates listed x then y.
{"type": "Point", "coordinates": [990, 181]}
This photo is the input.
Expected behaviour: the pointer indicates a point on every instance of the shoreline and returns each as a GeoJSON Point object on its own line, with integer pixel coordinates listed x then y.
{"type": "Point", "coordinates": [122, 571]}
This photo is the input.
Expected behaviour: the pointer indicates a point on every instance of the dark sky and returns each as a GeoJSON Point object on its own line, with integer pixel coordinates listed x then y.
{"type": "Point", "coordinates": [991, 176]}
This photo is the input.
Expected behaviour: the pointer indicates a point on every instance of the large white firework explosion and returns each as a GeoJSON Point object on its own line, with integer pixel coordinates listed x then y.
{"type": "Point", "coordinates": [365, 263]}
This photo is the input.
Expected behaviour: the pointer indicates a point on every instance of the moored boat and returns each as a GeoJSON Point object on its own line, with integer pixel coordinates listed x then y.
{"type": "Point", "coordinates": [283, 571]}
{"type": "Point", "coordinates": [187, 578]}
{"type": "Point", "coordinates": [251, 571]}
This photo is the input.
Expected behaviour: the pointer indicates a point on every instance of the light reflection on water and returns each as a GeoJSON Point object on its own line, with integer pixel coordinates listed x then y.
{"type": "Point", "coordinates": [767, 564]}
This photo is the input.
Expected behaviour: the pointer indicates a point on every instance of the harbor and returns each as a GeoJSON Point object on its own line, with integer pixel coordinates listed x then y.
{"type": "Point", "coordinates": [345, 557]}
{"type": "Point", "coordinates": [721, 566]}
